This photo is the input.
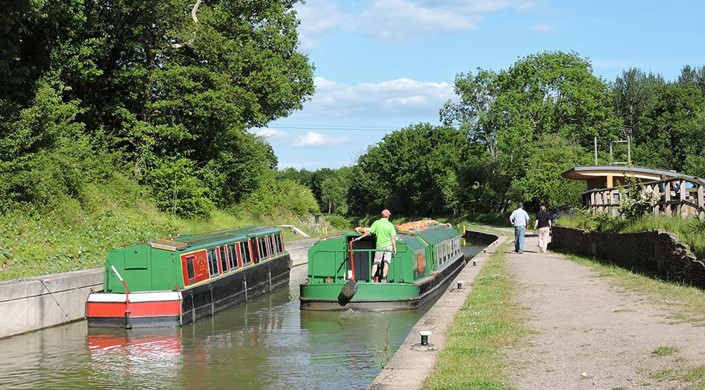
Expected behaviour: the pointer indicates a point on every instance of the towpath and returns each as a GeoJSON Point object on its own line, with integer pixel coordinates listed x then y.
{"type": "Point", "coordinates": [584, 332]}
{"type": "Point", "coordinates": [587, 333]}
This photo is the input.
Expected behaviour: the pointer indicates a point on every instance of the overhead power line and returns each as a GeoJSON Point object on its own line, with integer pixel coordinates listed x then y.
{"type": "Point", "coordinates": [334, 128]}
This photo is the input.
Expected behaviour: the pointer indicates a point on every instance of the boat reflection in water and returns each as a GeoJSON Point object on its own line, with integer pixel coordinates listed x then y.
{"type": "Point", "coordinates": [147, 358]}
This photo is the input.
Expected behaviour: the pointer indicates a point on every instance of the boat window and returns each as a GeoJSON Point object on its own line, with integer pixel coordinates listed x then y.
{"type": "Point", "coordinates": [232, 257]}
{"type": "Point", "coordinates": [255, 250]}
{"type": "Point", "coordinates": [262, 247]}
{"type": "Point", "coordinates": [223, 259]}
{"type": "Point", "coordinates": [245, 252]}
{"type": "Point", "coordinates": [270, 250]}
{"type": "Point", "coordinates": [189, 267]}
{"type": "Point", "coordinates": [278, 239]}
{"type": "Point", "coordinates": [212, 262]}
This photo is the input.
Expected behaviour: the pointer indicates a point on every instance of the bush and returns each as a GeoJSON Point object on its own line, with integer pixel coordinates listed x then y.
{"type": "Point", "coordinates": [636, 203]}
{"type": "Point", "coordinates": [339, 222]}
{"type": "Point", "coordinates": [178, 190]}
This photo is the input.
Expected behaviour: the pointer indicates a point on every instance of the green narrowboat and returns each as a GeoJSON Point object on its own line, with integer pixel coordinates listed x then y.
{"type": "Point", "coordinates": [429, 255]}
{"type": "Point", "coordinates": [174, 281]}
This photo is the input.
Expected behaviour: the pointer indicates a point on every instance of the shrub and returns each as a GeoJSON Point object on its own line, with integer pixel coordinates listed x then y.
{"type": "Point", "coordinates": [178, 190]}
{"type": "Point", "coordinates": [636, 202]}
{"type": "Point", "coordinates": [339, 222]}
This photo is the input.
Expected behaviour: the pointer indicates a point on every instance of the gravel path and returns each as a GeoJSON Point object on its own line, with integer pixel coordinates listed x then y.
{"type": "Point", "coordinates": [588, 334]}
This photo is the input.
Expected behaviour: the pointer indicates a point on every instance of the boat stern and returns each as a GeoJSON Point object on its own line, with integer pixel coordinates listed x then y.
{"type": "Point", "coordinates": [368, 296]}
{"type": "Point", "coordinates": [135, 310]}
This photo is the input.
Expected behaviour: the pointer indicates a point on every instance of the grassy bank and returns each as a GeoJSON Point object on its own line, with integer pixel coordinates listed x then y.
{"type": "Point", "coordinates": [487, 323]}
{"type": "Point", "coordinates": [77, 235]}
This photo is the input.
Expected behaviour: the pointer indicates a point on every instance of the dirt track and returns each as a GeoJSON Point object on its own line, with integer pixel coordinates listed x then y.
{"type": "Point", "coordinates": [588, 334]}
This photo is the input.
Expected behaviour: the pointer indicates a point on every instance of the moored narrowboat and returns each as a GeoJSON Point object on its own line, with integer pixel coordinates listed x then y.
{"type": "Point", "coordinates": [429, 255]}
{"type": "Point", "coordinates": [174, 281]}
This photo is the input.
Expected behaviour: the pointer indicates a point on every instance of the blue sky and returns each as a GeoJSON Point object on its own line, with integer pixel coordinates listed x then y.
{"type": "Point", "coordinates": [382, 65]}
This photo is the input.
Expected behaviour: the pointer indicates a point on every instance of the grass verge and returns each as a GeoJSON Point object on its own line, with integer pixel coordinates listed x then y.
{"type": "Point", "coordinates": [487, 323]}
{"type": "Point", "coordinates": [77, 235]}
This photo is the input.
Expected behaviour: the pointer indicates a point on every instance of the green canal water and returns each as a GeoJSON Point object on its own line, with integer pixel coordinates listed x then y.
{"type": "Point", "coordinates": [269, 343]}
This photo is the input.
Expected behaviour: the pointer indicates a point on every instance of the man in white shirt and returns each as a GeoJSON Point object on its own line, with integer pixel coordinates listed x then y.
{"type": "Point", "coordinates": [520, 220]}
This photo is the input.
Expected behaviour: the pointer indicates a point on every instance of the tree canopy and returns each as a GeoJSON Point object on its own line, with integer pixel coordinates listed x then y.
{"type": "Point", "coordinates": [164, 92]}
{"type": "Point", "coordinates": [168, 88]}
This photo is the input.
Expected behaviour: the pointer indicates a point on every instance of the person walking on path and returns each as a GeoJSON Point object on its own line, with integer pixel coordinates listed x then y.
{"type": "Point", "coordinates": [386, 244]}
{"type": "Point", "coordinates": [544, 225]}
{"type": "Point", "coordinates": [520, 220]}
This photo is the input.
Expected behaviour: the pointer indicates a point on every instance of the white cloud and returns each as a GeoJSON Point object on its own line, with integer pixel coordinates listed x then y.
{"type": "Point", "coordinates": [318, 19]}
{"type": "Point", "coordinates": [480, 6]}
{"type": "Point", "coordinates": [403, 98]}
{"type": "Point", "coordinates": [400, 20]}
{"type": "Point", "coordinates": [404, 20]}
{"type": "Point", "coordinates": [544, 27]}
{"type": "Point", "coordinates": [317, 139]}
{"type": "Point", "coordinates": [269, 133]}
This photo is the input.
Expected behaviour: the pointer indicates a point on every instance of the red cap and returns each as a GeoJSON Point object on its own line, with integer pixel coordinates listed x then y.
{"type": "Point", "coordinates": [386, 213]}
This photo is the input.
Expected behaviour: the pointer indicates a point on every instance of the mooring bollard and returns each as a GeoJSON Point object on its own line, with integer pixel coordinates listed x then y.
{"type": "Point", "coordinates": [474, 263]}
{"type": "Point", "coordinates": [460, 284]}
{"type": "Point", "coordinates": [424, 336]}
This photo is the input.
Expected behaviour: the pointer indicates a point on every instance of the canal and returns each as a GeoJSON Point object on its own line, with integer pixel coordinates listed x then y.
{"type": "Point", "coordinates": [268, 343]}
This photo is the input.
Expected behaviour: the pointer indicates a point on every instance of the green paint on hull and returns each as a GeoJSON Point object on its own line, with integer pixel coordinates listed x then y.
{"type": "Point", "coordinates": [365, 291]}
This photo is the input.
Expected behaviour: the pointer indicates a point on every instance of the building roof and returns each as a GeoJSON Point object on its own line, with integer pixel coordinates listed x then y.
{"type": "Point", "coordinates": [587, 172]}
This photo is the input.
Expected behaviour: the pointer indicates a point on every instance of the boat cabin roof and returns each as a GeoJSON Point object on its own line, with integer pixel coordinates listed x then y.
{"type": "Point", "coordinates": [210, 239]}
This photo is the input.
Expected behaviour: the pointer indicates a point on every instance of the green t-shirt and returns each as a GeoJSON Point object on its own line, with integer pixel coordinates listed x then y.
{"type": "Point", "coordinates": [384, 230]}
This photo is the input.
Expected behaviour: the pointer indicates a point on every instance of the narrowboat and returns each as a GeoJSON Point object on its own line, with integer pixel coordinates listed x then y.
{"type": "Point", "coordinates": [429, 255]}
{"type": "Point", "coordinates": [174, 281]}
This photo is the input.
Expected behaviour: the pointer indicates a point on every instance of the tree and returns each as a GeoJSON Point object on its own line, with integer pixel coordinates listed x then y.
{"type": "Point", "coordinates": [550, 156]}
{"type": "Point", "coordinates": [635, 96]}
{"type": "Point", "coordinates": [161, 82]}
{"type": "Point", "coordinates": [551, 93]}
{"type": "Point", "coordinates": [334, 191]}
{"type": "Point", "coordinates": [672, 130]}
{"type": "Point", "coordinates": [43, 156]}
{"type": "Point", "coordinates": [414, 171]}
{"type": "Point", "coordinates": [556, 93]}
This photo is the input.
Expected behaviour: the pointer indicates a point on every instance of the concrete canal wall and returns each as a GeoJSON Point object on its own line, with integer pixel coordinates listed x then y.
{"type": "Point", "coordinates": [44, 301]}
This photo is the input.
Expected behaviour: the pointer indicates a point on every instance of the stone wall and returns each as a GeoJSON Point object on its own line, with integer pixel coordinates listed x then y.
{"type": "Point", "coordinates": [479, 238]}
{"type": "Point", "coordinates": [655, 251]}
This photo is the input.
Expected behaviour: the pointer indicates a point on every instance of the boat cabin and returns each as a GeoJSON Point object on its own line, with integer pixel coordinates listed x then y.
{"type": "Point", "coordinates": [189, 259]}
